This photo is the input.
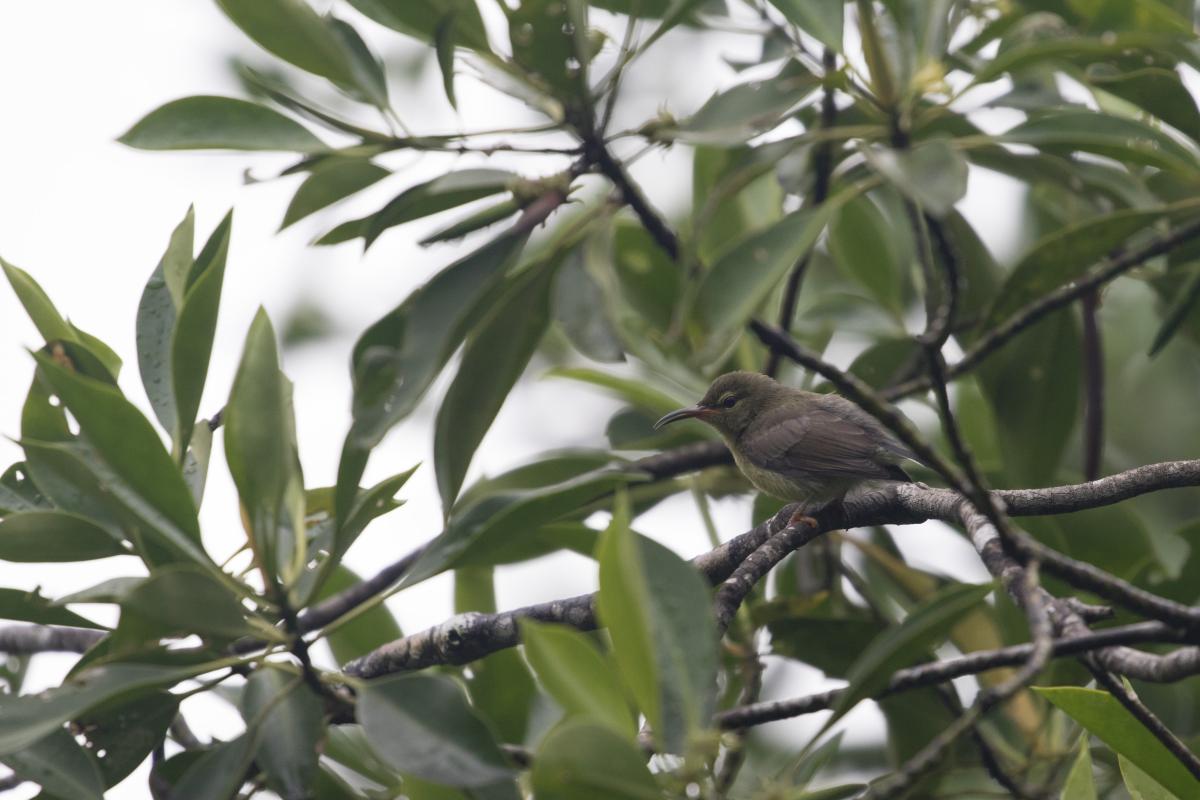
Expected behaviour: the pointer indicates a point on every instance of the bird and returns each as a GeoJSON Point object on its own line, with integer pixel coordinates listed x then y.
{"type": "Point", "coordinates": [798, 446]}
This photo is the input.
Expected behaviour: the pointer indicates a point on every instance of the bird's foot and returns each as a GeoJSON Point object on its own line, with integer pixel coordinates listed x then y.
{"type": "Point", "coordinates": [799, 518]}
{"type": "Point", "coordinates": [922, 485]}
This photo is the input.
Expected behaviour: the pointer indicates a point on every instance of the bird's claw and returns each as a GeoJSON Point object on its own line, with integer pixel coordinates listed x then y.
{"type": "Point", "coordinates": [799, 518]}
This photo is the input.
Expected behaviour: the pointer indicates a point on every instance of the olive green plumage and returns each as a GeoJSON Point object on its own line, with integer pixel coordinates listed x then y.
{"type": "Point", "coordinates": [795, 445]}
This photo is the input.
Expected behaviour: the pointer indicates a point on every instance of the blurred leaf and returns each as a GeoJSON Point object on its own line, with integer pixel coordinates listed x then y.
{"type": "Point", "coordinates": [495, 355]}
{"type": "Point", "coordinates": [503, 693]}
{"type": "Point", "coordinates": [1177, 312]}
{"type": "Point", "coordinates": [800, 772]}
{"type": "Point", "coordinates": [483, 218]}
{"type": "Point", "coordinates": [542, 33]}
{"type": "Point", "coordinates": [1159, 91]}
{"type": "Point", "coordinates": [369, 76]}
{"type": "Point", "coordinates": [742, 111]}
{"type": "Point", "coordinates": [548, 468]}
{"type": "Point", "coordinates": [581, 760]}
{"type": "Point", "coordinates": [1033, 54]}
{"type": "Point", "coordinates": [1103, 716]}
{"type": "Point", "coordinates": [576, 675]}
{"type": "Point", "coordinates": [505, 519]}
{"type": "Point", "coordinates": [648, 279]}
{"type": "Point", "coordinates": [443, 40]}
{"type": "Point", "coordinates": [1065, 255]}
{"type": "Point", "coordinates": [737, 284]}
{"type": "Point", "coordinates": [1032, 387]}
{"type": "Point", "coordinates": [368, 630]}
{"type": "Point", "coordinates": [18, 604]}
{"type": "Point", "coordinates": [658, 612]}
{"type": "Point", "coordinates": [926, 626]}
{"type": "Point", "coordinates": [933, 173]}
{"type": "Point", "coordinates": [18, 492]}
{"type": "Point", "coordinates": [169, 599]}
{"type": "Point", "coordinates": [422, 724]}
{"type": "Point", "coordinates": [42, 536]}
{"type": "Point", "coordinates": [332, 180]}
{"type": "Point", "coordinates": [735, 192]}
{"type": "Point", "coordinates": [580, 308]}
{"type": "Point", "coordinates": [420, 18]}
{"type": "Point", "coordinates": [1140, 785]}
{"type": "Point", "coordinates": [27, 718]}
{"type": "Point", "coordinates": [1124, 140]}
{"type": "Point", "coordinates": [861, 242]}
{"type": "Point", "coordinates": [260, 446]}
{"type": "Point", "coordinates": [637, 391]}
{"type": "Point", "coordinates": [290, 718]}
{"type": "Point", "coordinates": [821, 19]}
{"type": "Point", "coordinates": [842, 639]}
{"type": "Point", "coordinates": [60, 766]}
{"type": "Point", "coordinates": [347, 746]}
{"type": "Point", "coordinates": [440, 194]}
{"type": "Point", "coordinates": [156, 315]}
{"type": "Point", "coordinates": [1079, 784]}
{"type": "Point", "coordinates": [292, 30]}
{"type": "Point", "coordinates": [222, 123]}
{"type": "Point", "coordinates": [122, 735]}
{"type": "Point", "coordinates": [219, 771]}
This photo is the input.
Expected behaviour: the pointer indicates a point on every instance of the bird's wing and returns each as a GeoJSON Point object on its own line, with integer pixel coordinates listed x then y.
{"type": "Point", "coordinates": [819, 441]}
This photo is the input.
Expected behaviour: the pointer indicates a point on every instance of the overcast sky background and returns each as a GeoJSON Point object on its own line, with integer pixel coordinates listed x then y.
{"type": "Point", "coordinates": [89, 218]}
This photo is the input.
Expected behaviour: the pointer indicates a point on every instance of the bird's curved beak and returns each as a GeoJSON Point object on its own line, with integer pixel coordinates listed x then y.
{"type": "Point", "coordinates": [683, 413]}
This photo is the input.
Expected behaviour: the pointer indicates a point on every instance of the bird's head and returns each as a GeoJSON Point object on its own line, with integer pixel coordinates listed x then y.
{"type": "Point", "coordinates": [731, 402]}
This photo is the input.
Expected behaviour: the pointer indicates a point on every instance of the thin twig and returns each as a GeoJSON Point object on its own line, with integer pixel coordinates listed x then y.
{"type": "Point", "coordinates": [597, 152]}
{"type": "Point", "coordinates": [1093, 387]}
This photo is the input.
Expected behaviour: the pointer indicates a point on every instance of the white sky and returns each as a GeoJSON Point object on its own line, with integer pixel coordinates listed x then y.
{"type": "Point", "coordinates": [88, 218]}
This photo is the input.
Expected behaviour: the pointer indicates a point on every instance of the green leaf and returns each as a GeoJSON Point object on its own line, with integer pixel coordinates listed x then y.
{"type": "Point", "coordinates": [420, 18]}
{"type": "Point", "coordinates": [51, 535]}
{"type": "Point", "coordinates": [169, 598]}
{"type": "Point", "coordinates": [1177, 312]}
{"type": "Point", "coordinates": [292, 30]}
{"type": "Point", "coordinates": [121, 735]}
{"type": "Point", "coordinates": [495, 355]}
{"type": "Point", "coordinates": [1125, 140]}
{"type": "Point", "coordinates": [396, 359]}
{"type": "Point", "coordinates": [580, 307]}
{"type": "Point", "coordinates": [639, 392]}
{"type": "Point", "coordinates": [503, 692]}
{"type": "Point", "coordinates": [581, 760]}
{"type": "Point", "coordinates": [332, 180]}
{"type": "Point", "coordinates": [193, 331]}
{"type": "Point", "coordinates": [1064, 255]}
{"type": "Point", "coordinates": [486, 530]}
{"type": "Point", "coordinates": [218, 772]}
{"type": "Point", "coordinates": [260, 446]}
{"type": "Point", "coordinates": [17, 604]}
{"type": "Point", "coordinates": [1033, 54]}
{"type": "Point", "coordinates": [369, 76]}
{"type": "Point", "coordinates": [475, 221]}
{"type": "Point", "coordinates": [440, 194]}
{"type": "Point", "coordinates": [737, 284]}
{"type": "Point", "coordinates": [821, 19]}
{"type": "Point", "coordinates": [862, 244]}
{"type": "Point", "coordinates": [659, 614]}
{"type": "Point", "coordinates": [60, 766]}
{"type": "Point", "coordinates": [128, 445]}
{"type": "Point", "coordinates": [37, 304]}
{"type": "Point", "coordinates": [1155, 89]}
{"type": "Point", "coordinates": [843, 639]}
{"type": "Point", "coordinates": [1079, 784]}
{"type": "Point", "coordinates": [221, 123]}
{"type": "Point", "coordinates": [542, 34]}
{"type": "Point", "coordinates": [27, 718]}
{"type": "Point", "coordinates": [366, 631]}
{"type": "Point", "coordinates": [1105, 718]}
{"type": "Point", "coordinates": [422, 724]}
{"type": "Point", "coordinates": [1140, 785]}
{"type": "Point", "coordinates": [576, 675]}
{"type": "Point", "coordinates": [742, 111]}
{"type": "Point", "coordinates": [156, 315]}
{"type": "Point", "coordinates": [443, 40]}
{"type": "Point", "coordinates": [290, 720]}
{"type": "Point", "coordinates": [925, 627]}
{"type": "Point", "coordinates": [933, 173]}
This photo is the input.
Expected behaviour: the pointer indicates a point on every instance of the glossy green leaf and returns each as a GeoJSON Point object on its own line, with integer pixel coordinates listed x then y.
{"type": "Point", "coordinates": [194, 328]}
{"type": "Point", "coordinates": [576, 675]}
{"type": "Point", "coordinates": [17, 604]}
{"type": "Point", "coordinates": [422, 724]}
{"type": "Point", "coordinates": [1105, 718]}
{"type": "Point", "coordinates": [582, 760]}
{"type": "Point", "coordinates": [1125, 140]}
{"type": "Point", "coordinates": [1080, 785]}
{"type": "Point", "coordinates": [543, 43]}
{"type": "Point", "coordinates": [933, 173]}
{"type": "Point", "coordinates": [60, 766]}
{"type": "Point", "coordinates": [396, 359]}
{"type": "Point", "coordinates": [219, 772]}
{"type": "Point", "coordinates": [505, 519]}
{"type": "Point", "coordinates": [169, 598]}
{"type": "Point", "coordinates": [222, 123]}
{"type": "Point", "coordinates": [156, 315]}
{"type": "Point", "coordinates": [925, 627]}
{"type": "Point", "coordinates": [292, 30]}
{"type": "Point", "coordinates": [658, 612]}
{"type": "Point", "coordinates": [37, 303]}
{"type": "Point", "coordinates": [1140, 785]}
{"type": "Point", "coordinates": [420, 18]}
{"type": "Point", "coordinates": [50, 535]}
{"type": "Point", "coordinates": [260, 446]}
{"type": "Point", "coordinates": [495, 355]}
{"type": "Point", "coordinates": [27, 718]}
{"type": "Point", "coordinates": [862, 243]}
{"type": "Point", "coordinates": [332, 180]}
{"type": "Point", "coordinates": [440, 194]}
{"type": "Point", "coordinates": [290, 719]}
{"type": "Point", "coordinates": [821, 19]}
{"type": "Point", "coordinates": [737, 284]}
{"type": "Point", "coordinates": [740, 112]}
{"type": "Point", "coordinates": [121, 735]}
{"type": "Point", "coordinates": [370, 629]}
{"type": "Point", "coordinates": [18, 492]}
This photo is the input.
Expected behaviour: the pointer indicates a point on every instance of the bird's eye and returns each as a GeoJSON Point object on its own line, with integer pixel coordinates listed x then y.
{"type": "Point", "coordinates": [729, 402]}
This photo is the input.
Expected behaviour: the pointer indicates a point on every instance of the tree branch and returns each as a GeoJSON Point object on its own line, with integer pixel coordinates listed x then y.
{"type": "Point", "coordinates": [597, 152]}
{"type": "Point", "coordinates": [29, 639]}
